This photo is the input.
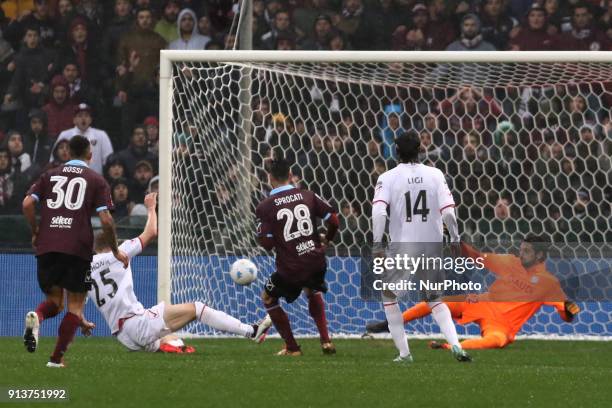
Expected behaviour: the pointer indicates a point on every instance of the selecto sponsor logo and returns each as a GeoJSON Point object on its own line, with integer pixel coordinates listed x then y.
{"type": "Point", "coordinates": [61, 222]}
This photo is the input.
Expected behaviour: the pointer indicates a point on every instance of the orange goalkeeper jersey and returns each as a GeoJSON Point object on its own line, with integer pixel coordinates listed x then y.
{"type": "Point", "coordinates": [515, 296]}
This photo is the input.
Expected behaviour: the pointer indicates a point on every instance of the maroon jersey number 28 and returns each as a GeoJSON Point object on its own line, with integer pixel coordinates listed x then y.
{"type": "Point", "coordinates": [69, 196]}
{"type": "Point", "coordinates": [289, 217]}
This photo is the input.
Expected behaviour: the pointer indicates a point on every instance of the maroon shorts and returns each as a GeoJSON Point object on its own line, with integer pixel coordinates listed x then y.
{"type": "Point", "coordinates": [278, 286]}
{"type": "Point", "coordinates": [65, 271]}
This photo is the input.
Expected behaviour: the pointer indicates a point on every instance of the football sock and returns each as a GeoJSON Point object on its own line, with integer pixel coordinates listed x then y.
{"type": "Point", "coordinates": [222, 321]}
{"type": "Point", "coordinates": [46, 310]}
{"type": "Point", "coordinates": [489, 341]}
{"type": "Point", "coordinates": [396, 328]}
{"type": "Point", "coordinates": [416, 312]}
{"type": "Point", "coordinates": [316, 307]}
{"type": "Point", "coordinates": [282, 325]}
{"type": "Point", "coordinates": [67, 329]}
{"type": "Point", "coordinates": [442, 315]}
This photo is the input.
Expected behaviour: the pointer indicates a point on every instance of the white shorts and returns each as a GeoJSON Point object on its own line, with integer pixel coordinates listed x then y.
{"type": "Point", "coordinates": [143, 332]}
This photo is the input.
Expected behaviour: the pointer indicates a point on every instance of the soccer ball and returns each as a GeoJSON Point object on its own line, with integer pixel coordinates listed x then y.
{"type": "Point", "coordinates": [243, 272]}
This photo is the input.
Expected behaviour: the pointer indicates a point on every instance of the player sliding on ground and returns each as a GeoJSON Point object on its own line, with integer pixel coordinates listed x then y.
{"type": "Point", "coordinates": [286, 222]}
{"type": "Point", "coordinates": [69, 195]}
{"type": "Point", "coordinates": [150, 329]}
{"type": "Point", "coordinates": [419, 202]}
{"type": "Point", "coordinates": [518, 278]}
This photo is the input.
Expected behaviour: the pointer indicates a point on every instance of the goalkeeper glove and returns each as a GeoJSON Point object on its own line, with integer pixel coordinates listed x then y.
{"type": "Point", "coordinates": [571, 310]}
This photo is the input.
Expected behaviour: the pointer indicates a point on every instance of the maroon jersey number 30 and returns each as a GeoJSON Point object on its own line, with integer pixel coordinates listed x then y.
{"type": "Point", "coordinates": [289, 217]}
{"type": "Point", "coordinates": [69, 196]}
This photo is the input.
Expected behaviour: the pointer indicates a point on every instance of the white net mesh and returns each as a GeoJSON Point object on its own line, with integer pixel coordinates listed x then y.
{"type": "Point", "coordinates": [525, 147]}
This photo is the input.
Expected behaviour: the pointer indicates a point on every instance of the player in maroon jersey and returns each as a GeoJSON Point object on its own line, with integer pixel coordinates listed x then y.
{"type": "Point", "coordinates": [287, 222]}
{"type": "Point", "coordinates": [69, 195]}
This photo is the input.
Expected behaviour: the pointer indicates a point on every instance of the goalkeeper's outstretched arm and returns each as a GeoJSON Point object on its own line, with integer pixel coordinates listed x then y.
{"type": "Point", "coordinates": [567, 310]}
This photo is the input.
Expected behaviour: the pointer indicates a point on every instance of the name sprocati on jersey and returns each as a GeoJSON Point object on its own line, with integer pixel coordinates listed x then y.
{"type": "Point", "coordinates": [416, 195]}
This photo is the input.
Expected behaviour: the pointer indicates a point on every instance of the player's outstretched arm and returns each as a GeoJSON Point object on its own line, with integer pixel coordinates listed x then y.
{"type": "Point", "coordinates": [110, 236]}
{"type": "Point", "coordinates": [150, 230]}
{"type": "Point", "coordinates": [29, 211]}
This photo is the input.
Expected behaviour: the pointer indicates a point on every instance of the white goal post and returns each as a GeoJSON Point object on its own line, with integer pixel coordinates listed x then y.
{"type": "Point", "coordinates": [521, 69]}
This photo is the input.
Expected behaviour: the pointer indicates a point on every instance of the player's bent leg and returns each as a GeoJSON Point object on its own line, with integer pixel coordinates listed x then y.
{"type": "Point", "coordinates": [178, 316]}
{"type": "Point", "coordinates": [442, 315]}
{"type": "Point", "coordinates": [69, 325]}
{"type": "Point", "coordinates": [396, 326]}
{"type": "Point", "coordinates": [417, 311]}
{"type": "Point", "coordinates": [52, 305]}
{"type": "Point", "coordinates": [281, 323]}
{"type": "Point", "coordinates": [219, 320]}
{"type": "Point", "coordinates": [491, 340]}
{"type": "Point", "coordinates": [316, 308]}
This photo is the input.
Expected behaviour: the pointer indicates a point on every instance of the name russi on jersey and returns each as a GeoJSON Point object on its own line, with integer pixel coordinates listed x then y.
{"type": "Point", "coordinates": [72, 169]}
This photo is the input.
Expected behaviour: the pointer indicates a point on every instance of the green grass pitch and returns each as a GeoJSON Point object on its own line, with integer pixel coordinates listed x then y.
{"type": "Point", "coordinates": [239, 373]}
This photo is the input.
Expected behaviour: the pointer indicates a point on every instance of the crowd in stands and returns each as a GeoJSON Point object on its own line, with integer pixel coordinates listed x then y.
{"type": "Point", "coordinates": [89, 67]}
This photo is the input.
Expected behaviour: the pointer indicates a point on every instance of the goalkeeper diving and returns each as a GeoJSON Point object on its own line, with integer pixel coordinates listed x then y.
{"type": "Point", "coordinates": [523, 278]}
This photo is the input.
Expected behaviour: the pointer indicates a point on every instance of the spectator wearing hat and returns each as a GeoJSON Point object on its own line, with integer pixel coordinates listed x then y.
{"type": "Point", "coordinates": [321, 34]}
{"type": "Point", "coordinates": [37, 142]}
{"type": "Point", "coordinates": [189, 36]}
{"type": "Point", "coordinates": [136, 151]}
{"type": "Point", "coordinates": [101, 146]}
{"type": "Point", "coordinates": [471, 38]}
{"type": "Point", "coordinates": [584, 34]}
{"type": "Point", "coordinates": [533, 35]}
{"type": "Point", "coordinates": [33, 65]}
{"type": "Point", "coordinates": [151, 125]}
{"type": "Point", "coordinates": [59, 109]}
{"type": "Point", "coordinates": [143, 173]}
{"type": "Point", "coordinates": [496, 24]}
{"type": "Point", "coordinates": [81, 50]}
{"type": "Point", "coordinates": [306, 14]}
{"type": "Point", "coordinates": [139, 49]}
{"type": "Point", "coordinates": [38, 19]}
{"type": "Point", "coordinates": [167, 25]}
{"type": "Point", "coordinates": [421, 34]}
{"type": "Point", "coordinates": [59, 155]}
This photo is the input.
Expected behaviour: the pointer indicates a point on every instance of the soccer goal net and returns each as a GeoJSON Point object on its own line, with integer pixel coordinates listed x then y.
{"type": "Point", "coordinates": [524, 141]}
